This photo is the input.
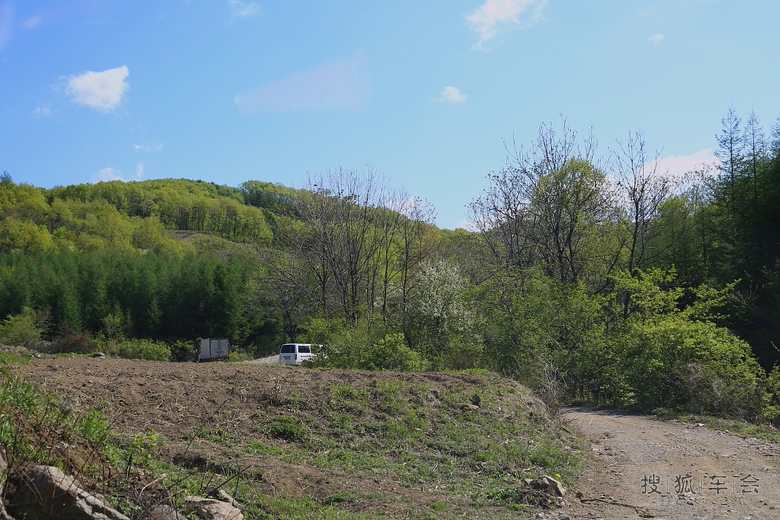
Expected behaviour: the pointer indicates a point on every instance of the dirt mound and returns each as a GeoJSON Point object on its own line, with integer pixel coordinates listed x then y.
{"type": "Point", "coordinates": [297, 432]}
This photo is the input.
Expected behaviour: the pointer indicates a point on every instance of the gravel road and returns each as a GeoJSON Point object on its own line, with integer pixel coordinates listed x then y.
{"type": "Point", "coordinates": [643, 467]}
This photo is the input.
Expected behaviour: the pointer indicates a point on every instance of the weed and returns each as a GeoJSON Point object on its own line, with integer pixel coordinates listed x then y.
{"type": "Point", "coordinates": [438, 506]}
{"type": "Point", "coordinates": [347, 398]}
{"type": "Point", "coordinates": [287, 428]}
{"type": "Point", "coordinates": [214, 435]}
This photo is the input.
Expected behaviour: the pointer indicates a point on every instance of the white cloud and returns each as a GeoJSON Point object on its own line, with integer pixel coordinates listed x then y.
{"type": "Point", "coordinates": [111, 174]}
{"type": "Point", "coordinates": [677, 166]}
{"type": "Point", "coordinates": [107, 174]}
{"type": "Point", "coordinates": [154, 147]}
{"type": "Point", "coordinates": [450, 95]}
{"type": "Point", "coordinates": [340, 85]}
{"type": "Point", "coordinates": [99, 90]}
{"type": "Point", "coordinates": [657, 38]}
{"type": "Point", "coordinates": [42, 110]}
{"type": "Point", "coordinates": [493, 15]}
{"type": "Point", "coordinates": [243, 9]}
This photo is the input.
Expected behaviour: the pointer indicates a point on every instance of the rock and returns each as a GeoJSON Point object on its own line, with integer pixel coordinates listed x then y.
{"type": "Point", "coordinates": [46, 492]}
{"type": "Point", "coordinates": [475, 400]}
{"type": "Point", "coordinates": [223, 496]}
{"type": "Point", "coordinates": [551, 483]}
{"type": "Point", "coordinates": [210, 509]}
{"type": "Point", "coordinates": [165, 512]}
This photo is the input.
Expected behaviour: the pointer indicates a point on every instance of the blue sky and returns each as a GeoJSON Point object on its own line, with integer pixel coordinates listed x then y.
{"type": "Point", "coordinates": [424, 92]}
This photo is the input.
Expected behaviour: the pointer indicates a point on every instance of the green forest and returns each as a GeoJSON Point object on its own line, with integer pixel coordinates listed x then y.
{"type": "Point", "coordinates": [591, 276]}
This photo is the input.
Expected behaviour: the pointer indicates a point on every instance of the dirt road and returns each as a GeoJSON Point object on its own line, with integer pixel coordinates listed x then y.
{"type": "Point", "coordinates": [648, 468]}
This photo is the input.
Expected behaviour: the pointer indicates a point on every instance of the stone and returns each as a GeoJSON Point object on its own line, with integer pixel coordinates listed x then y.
{"type": "Point", "coordinates": [551, 483]}
{"type": "Point", "coordinates": [46, 492]}
{"type": "Point", "coordinates": [164, 512]}
{"type": "Point", "coordinates": [211, 509]}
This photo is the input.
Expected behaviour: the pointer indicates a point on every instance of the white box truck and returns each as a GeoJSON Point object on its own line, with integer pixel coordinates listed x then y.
{"type": "Point", "coordinates": [213, 349]}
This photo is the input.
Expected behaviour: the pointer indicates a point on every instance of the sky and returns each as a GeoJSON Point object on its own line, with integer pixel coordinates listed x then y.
{"type": "Point", "coordinates": [425, 93]}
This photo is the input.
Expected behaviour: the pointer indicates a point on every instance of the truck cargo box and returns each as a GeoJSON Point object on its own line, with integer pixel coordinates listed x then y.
{"type": "Point", "coordinates": [213, 349]}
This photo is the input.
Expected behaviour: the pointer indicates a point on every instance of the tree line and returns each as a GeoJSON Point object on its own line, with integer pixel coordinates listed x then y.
{"type": "Point", "coordinates": [590, 276]}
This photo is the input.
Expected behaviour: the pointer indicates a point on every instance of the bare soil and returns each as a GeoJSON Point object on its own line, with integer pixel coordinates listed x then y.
{"type": "Point", "coordinates": [640, 467]}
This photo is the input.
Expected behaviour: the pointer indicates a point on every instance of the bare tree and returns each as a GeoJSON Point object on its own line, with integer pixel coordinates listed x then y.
{"type": "Point", "coordinates": [341, 216]}
{"type": "Point", "coordinates": [642, 189]}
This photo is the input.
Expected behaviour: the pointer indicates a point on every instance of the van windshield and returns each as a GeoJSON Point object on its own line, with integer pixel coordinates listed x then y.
{"type": "Point", "coordinates": [288, 349]}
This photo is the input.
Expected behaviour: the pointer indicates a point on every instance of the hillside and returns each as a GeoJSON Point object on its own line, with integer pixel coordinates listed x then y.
{"type": "Point", "coordinates": [298, 443]}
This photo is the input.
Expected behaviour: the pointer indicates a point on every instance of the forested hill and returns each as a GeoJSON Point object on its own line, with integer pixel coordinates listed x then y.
{"type": "Point", "coordinates": [590, 279]}
{"type": "Point", "coordinates": [176, 259]}
{"type": "Point", "coordinates": [134, 215]}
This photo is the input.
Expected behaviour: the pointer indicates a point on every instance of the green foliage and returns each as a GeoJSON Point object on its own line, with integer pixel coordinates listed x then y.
{"type": "Point", "coordinates": [389, 353]}
{"type": "Point", "coordinates": [20, 329]}
{"type": "Point", "coordinates": [674, 362]}
{"type": "Point", "coordinates": [771, 412]}
{"type": "Point", "coordinates": [149, 350]}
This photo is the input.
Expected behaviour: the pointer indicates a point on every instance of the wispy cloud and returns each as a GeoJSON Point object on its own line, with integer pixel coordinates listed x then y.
{"type": "Point", "coordinates": [107, 174]}
{"type": "Point", "coordinates": [492, 16]}
{"type": "Point", "coordinates": [243, 9]}
{"type": "Point", "coordinates": [450, 95]}
{"type": "Point", "coordinates": [32, 22]}
{"type": "Point", "coordinates": [154, 147]}
{"type": "Point", "coordinates": [340, 85]}
{"type": "Point", "coordinates": [42, 110]}
{"type": "Point", "coordinates": [657, 38]}
{"type": "Point", "coordinates": [111, 174]}
{"type": "Point", "coordinates": [99, 90]}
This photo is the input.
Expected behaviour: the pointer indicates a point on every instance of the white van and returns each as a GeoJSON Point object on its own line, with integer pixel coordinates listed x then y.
{"type": "Point", "coordinates": [295, 353]}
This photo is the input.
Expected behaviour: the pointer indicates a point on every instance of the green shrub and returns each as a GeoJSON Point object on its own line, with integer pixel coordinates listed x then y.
{"type": "Point", "coordinates": [20, 329]}
{"type": "Point", "coordinates": [183, 351]}
{"type": "Point", "coordinates": [143, 349]}
{"type": "Point", "coordinates": [698, 366]}
{"type": "Point", "coordinates": [389, 353]}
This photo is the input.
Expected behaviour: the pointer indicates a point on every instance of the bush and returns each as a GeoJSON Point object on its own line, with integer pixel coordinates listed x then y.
{"type": "Point", "coordinates": [389, 353]}
{"type": "Point", "coordinates": [72, 343]}
{"type": "Point", "coordinates": [20, 329]}
{"type": "Point", "coordinates": [183, 351]}
{"type": "Point", "coordinates": [673, 362]}
{"type": "Point", "coordinates": [142, 349]}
